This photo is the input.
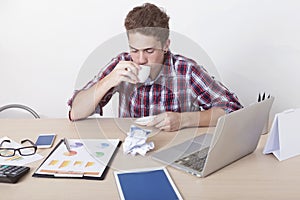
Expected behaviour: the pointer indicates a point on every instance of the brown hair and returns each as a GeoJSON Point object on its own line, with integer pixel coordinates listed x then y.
{"type": "Point", "coordinates": [148, 19]}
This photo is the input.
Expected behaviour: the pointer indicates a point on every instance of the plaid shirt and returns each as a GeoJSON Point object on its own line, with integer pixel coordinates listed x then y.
{"type": "Point", "coordinates": [181, 86]}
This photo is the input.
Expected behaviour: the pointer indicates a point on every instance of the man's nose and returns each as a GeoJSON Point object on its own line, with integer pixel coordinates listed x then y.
{"type": "Point", "coordinates": [142, 58]}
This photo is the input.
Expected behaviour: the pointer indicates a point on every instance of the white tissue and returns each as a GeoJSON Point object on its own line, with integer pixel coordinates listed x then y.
{"type": "Point", "coordinates": [135, 142]}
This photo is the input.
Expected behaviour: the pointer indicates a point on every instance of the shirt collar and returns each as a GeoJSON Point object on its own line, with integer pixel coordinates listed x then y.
{"type": "Point", "coordinates": [168, 67]}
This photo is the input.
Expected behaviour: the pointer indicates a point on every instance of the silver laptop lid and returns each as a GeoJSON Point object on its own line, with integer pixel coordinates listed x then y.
{"type": "Point", "coordinates": [237, 135]}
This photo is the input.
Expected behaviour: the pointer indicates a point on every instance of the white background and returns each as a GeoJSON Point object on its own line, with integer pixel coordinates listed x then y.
{"type": "Point", "coordinates": [254, 45]}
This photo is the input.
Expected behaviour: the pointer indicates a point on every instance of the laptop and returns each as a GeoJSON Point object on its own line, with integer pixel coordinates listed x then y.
{"type": "Point", "coordinates": [235, 136]}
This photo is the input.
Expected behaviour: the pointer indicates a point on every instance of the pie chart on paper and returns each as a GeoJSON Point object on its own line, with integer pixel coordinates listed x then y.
{"type": "Point", "coordinates": [104, 145]}
{"type": "Point", "coordinates": [76, 145]}
{"type": "Point", "coordinates": [70, 153]}
{"type": "Point", "coordinates": [99, 154]}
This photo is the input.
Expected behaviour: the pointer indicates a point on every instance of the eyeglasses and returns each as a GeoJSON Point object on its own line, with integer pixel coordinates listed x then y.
{"type": "Point", "coordinates": [23, 151]}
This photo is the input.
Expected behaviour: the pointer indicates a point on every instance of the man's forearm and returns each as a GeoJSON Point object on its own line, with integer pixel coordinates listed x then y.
{"type": "Point", "coordinates": [86, 101]}
{"type": "Point", "coordinates": [201, 118]}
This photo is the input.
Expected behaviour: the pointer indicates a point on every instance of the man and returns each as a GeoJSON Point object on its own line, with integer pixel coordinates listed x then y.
{"type": "Point", "coordinates": [178, 92]}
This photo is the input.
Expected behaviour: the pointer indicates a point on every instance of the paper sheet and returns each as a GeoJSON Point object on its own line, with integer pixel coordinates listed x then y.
{"type": "Point", "coordinates": [88, 157]}
{"type": "Point", "coordinates": [135, 142]}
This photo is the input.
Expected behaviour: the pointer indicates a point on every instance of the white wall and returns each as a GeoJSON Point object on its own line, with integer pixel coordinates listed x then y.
{"type": "Point", "coordinates": [254, 45]}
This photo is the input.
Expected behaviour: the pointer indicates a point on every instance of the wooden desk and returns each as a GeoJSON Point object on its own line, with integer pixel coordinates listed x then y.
{"type": "Point", "coordinates": [256, 176]}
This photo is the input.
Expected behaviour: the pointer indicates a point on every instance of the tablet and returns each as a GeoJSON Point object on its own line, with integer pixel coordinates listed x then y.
{"type": "Point", "coordinates": [146, 184]}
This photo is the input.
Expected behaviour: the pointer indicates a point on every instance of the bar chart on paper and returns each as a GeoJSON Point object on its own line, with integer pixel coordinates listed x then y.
{"type": "Point", "coordinates": [88, 157]}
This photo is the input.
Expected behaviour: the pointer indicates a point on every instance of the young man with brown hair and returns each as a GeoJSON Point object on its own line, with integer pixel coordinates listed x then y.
{"type": "Point", "coordinates": [178, 92]}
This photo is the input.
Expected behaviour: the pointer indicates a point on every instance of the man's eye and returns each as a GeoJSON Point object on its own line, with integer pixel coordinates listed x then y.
{"type": "Point", "coordinates": [149, 50]}
{"type": "Point", "coordinates": [133, 50]}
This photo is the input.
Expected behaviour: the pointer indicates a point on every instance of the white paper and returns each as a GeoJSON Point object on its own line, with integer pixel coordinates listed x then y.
{"type": "Point", "coordinates": [88, 157]}
{"type": "Point", "coordinates": [17, 159]}
{"type": "Point", "coordinates": [135, 142]}
{"type": "Point", "coordinates": [284, 137]}
{"type": "Point", "coordinates": [273, 139]}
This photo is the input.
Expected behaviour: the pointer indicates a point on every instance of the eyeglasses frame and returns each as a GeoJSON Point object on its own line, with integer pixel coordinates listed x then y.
{"type": "Point", "coordinates": [18, 149]}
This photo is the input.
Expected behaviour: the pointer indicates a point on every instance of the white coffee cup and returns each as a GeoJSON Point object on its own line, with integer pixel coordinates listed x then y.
{"type": "Point", "coordinates": [144, 73]}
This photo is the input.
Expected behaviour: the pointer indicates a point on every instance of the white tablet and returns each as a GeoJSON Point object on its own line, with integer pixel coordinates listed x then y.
{"type": "Point", "coordinates": [146, 184]}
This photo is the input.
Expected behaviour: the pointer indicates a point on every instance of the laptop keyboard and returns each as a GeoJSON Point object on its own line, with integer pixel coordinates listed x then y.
{"type": "Point", "coordinates": [195, 160]}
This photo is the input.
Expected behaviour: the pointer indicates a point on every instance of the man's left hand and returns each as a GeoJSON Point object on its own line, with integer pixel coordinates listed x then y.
{"type": "Point", "coordinates": [168, 121]}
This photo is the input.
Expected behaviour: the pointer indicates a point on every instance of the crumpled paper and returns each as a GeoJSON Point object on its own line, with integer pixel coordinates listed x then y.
{"type": "Point", "coordinates": [135, 142]}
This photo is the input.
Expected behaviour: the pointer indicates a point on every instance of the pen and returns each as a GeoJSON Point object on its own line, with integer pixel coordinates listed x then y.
{"type": "Point", "coordinates": [263, 97]}
{"type": "Point", "coordinates": [67, 144]}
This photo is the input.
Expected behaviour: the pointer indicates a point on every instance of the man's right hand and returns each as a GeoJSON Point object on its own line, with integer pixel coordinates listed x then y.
{"type": "Point", "coordinates": [86, 101]}
{"type": "Point", "coordinates": [124, 71]}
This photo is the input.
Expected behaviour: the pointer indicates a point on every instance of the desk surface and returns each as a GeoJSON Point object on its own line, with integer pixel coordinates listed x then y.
{"type": "Point", "coordinates": [255, 176]}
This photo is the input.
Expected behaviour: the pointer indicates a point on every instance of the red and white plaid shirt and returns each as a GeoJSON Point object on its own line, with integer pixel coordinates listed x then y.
{"type": "Point", "coordinates": [181, 86]}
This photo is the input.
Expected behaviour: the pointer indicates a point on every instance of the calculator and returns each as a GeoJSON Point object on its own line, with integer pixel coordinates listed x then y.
{"type": "Point", "coordinates": [12, 173]}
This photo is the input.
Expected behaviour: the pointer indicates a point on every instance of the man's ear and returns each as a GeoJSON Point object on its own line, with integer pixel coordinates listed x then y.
{"type": "Point", "coordinates": [167, 45]}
